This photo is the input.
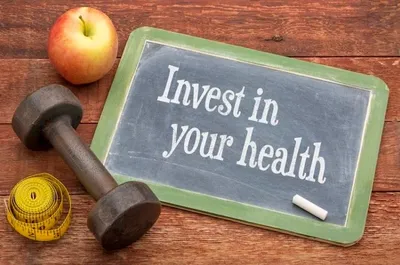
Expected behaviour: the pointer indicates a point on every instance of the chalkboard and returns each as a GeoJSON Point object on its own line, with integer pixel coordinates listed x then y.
{"type": "Point", "coordinates": [218, 132]}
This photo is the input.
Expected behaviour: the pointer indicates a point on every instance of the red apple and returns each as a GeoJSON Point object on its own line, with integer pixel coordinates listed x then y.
{"type": "Point", "coordinates": [83, 45]}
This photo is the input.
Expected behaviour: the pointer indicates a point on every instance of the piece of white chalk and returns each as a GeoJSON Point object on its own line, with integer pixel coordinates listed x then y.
{"type": "Point", "coordinates": [309, 207]}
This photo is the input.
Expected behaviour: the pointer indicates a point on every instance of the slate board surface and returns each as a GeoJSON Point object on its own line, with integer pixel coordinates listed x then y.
{"type": "Point", "coordinates": [316, 110]}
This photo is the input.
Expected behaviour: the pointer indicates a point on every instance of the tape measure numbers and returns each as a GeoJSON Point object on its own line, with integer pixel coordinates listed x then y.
{"type": "Point", "coordinates": [36, 205]}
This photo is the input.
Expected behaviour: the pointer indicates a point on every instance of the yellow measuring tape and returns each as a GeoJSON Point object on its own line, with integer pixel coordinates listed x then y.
{"type": "Point", "coordinates": [36, 205]}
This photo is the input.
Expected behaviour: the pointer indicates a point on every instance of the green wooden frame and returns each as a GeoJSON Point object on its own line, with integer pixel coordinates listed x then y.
{"type": "Point", "coordinates": [345, 235]}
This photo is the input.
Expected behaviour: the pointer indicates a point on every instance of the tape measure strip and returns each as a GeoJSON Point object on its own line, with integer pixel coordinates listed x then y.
{"type": "Point", "coordinates": [35, 206]}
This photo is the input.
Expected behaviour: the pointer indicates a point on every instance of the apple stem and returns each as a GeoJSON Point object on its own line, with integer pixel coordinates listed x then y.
{"type": "Point", "coordinates": [84, 26]}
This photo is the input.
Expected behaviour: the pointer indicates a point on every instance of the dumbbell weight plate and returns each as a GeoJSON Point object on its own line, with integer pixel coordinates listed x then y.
{"type": "Point", "coordinates": [124, 215]}
{"type": "Point", "coordinates": [40, 107]}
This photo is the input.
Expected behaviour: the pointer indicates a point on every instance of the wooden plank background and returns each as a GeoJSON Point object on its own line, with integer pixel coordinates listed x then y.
{"type": "Point", "coordinates": [362, 36]}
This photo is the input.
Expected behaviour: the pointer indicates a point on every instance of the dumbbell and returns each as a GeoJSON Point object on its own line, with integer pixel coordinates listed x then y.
{"type": "Point", "coordinates": [123, 213]}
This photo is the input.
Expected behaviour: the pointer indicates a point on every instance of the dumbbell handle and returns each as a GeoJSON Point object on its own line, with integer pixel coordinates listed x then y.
{"type": "Point", "coordinates": [90, 171]}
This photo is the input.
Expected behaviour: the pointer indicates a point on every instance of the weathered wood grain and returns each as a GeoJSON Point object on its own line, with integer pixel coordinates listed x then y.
{"type": "Point", "coordinates": [293, 28]}
{"type": "Point", "coordinates": [20, 77]}
{"type": "Point", "coordinates": [18, 162]}
{"type": "Point", "coordinates": [181, 237]}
